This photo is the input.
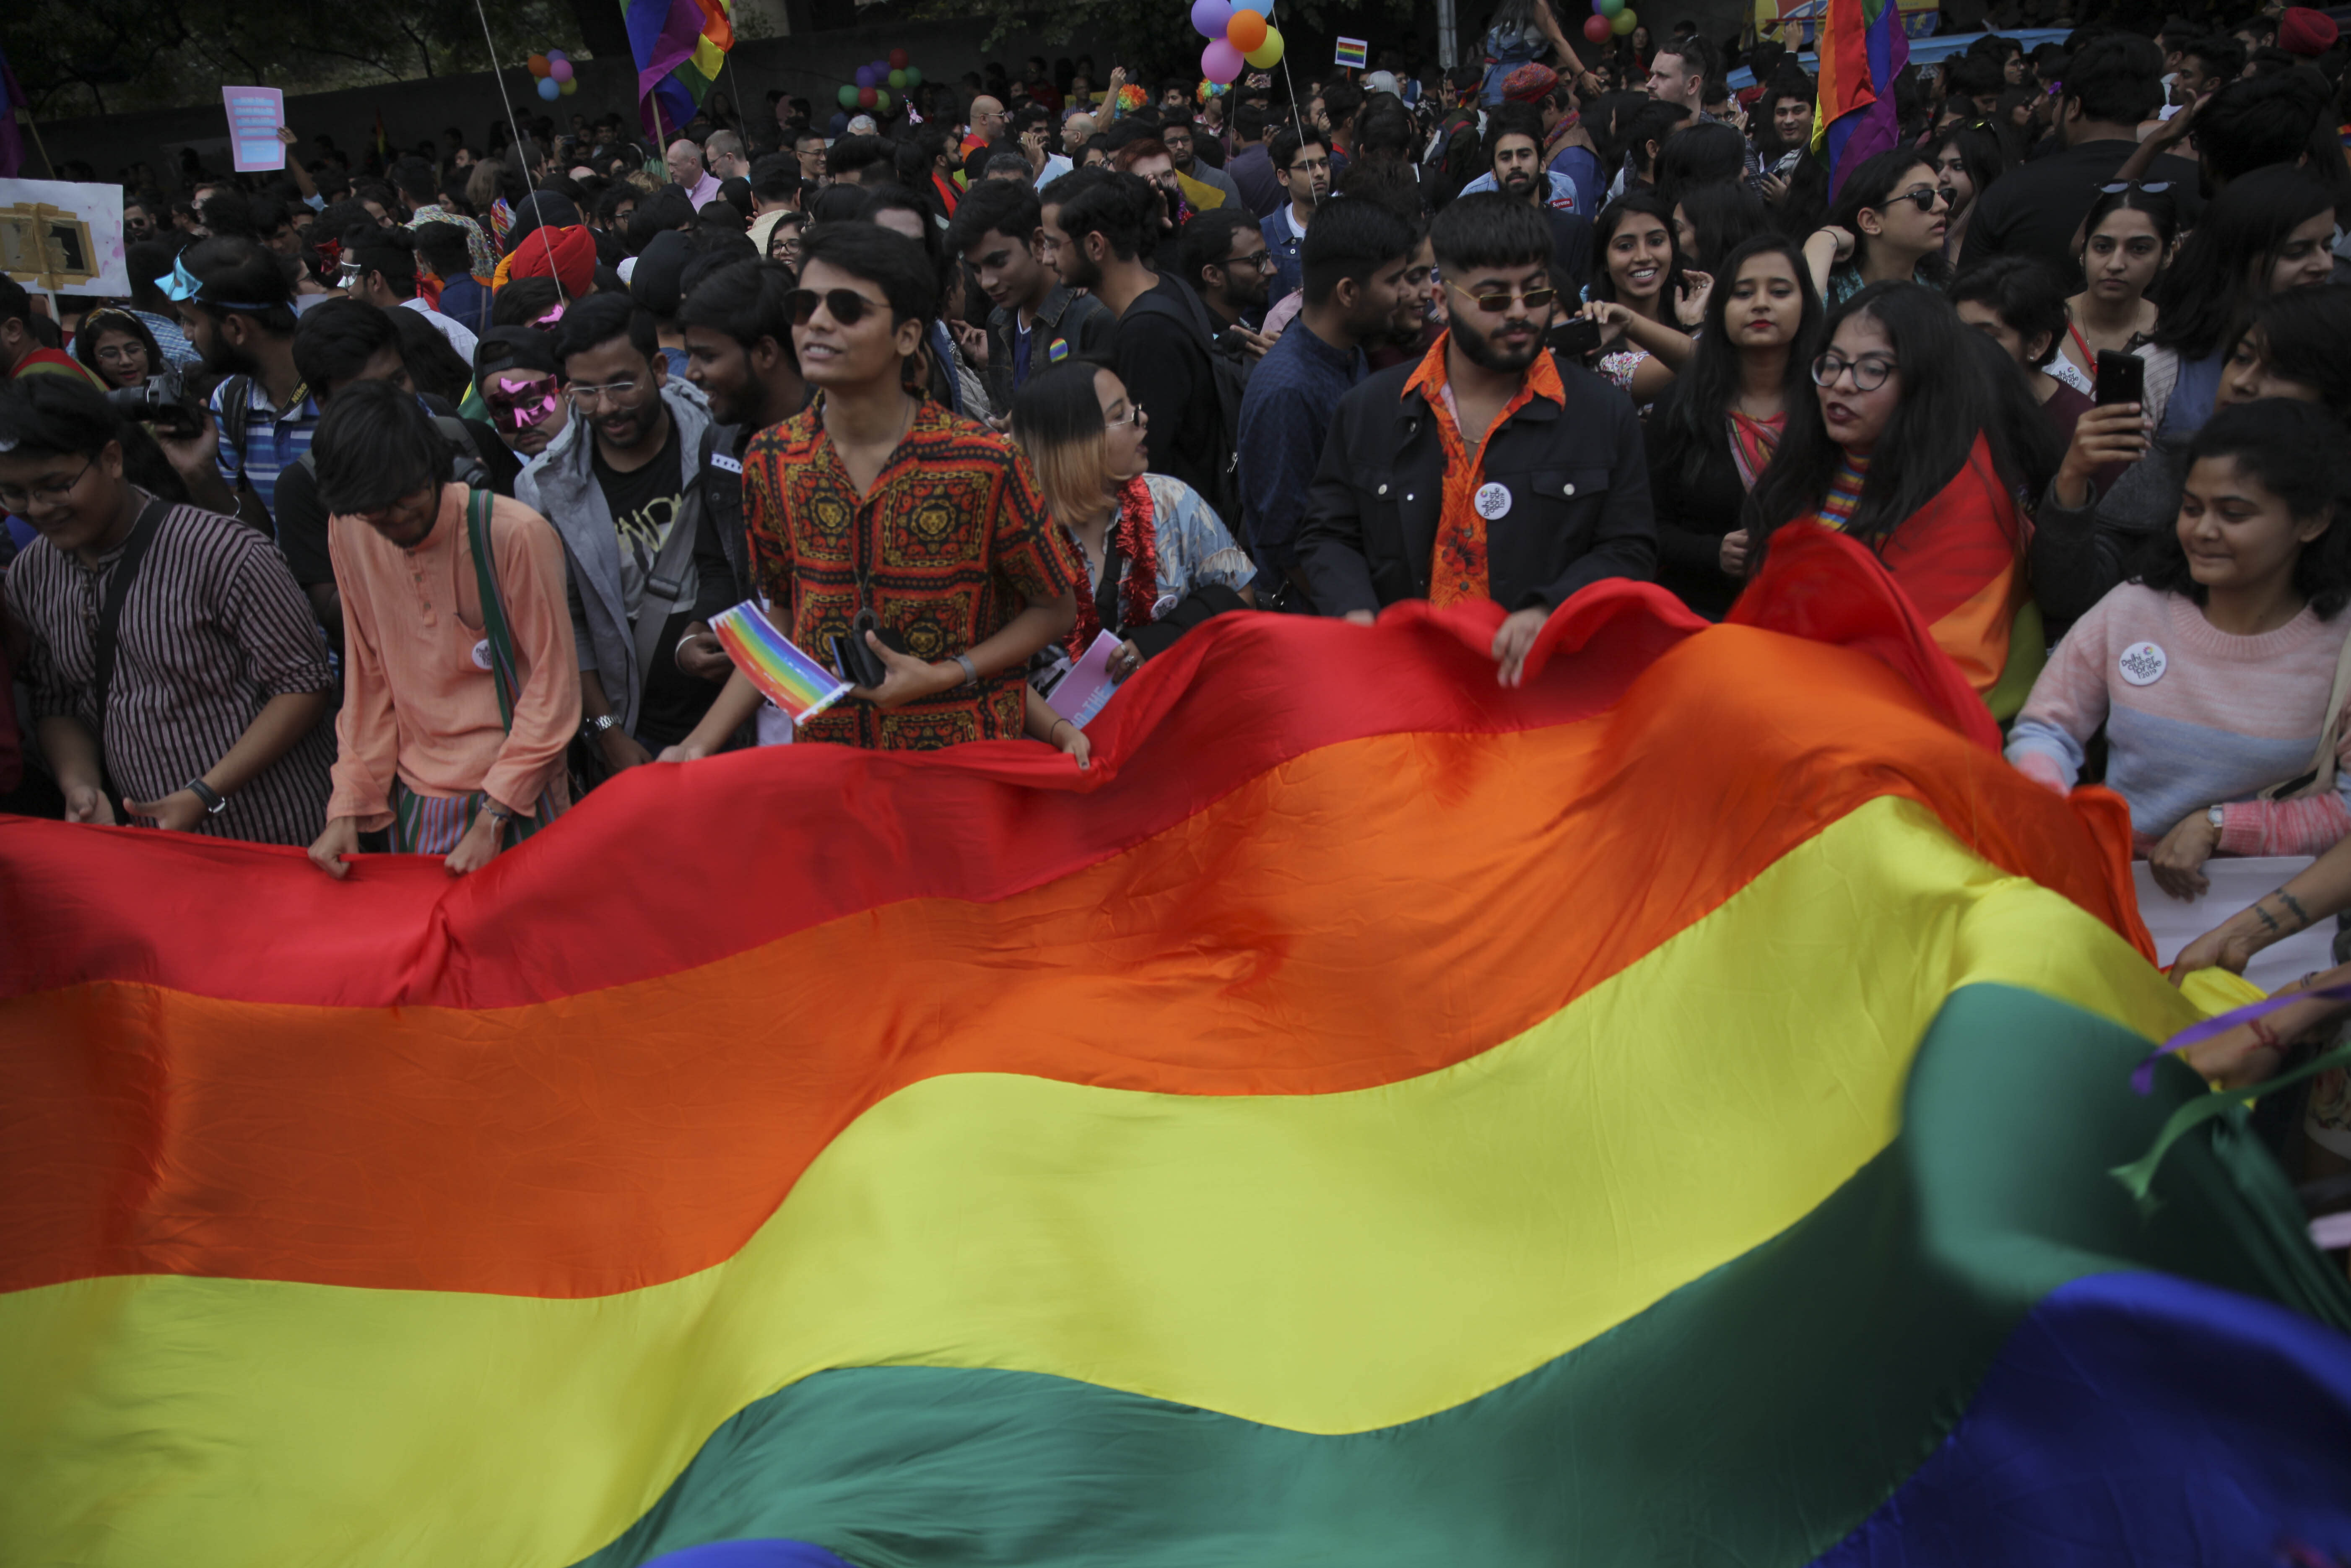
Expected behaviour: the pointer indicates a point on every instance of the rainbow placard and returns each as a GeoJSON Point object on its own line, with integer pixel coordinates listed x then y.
{"type": "Point", "coordinates": [1353, 53]}
{"type": "Point", "coordinates": [773, 663]}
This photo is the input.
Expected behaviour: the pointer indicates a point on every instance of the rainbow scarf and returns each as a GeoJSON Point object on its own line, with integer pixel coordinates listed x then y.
{"type": "Point", "coordinates": [1659, 1113]}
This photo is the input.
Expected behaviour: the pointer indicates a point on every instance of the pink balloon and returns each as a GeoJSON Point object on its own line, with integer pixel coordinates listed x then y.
{"type": "Point", "coordinates": [1220, 61]}
{"type": "Point", "coordinates": [1210, 16]}
{"type": "Point", "coordinates": [559, 70]}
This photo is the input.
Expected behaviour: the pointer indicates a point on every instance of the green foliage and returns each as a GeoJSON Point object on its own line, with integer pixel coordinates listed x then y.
{"type": "Point", "coordinates": [75, 56]}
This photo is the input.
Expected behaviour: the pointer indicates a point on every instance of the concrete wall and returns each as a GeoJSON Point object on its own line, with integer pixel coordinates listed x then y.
{"type": "Point", "coordinates": [812, 67]}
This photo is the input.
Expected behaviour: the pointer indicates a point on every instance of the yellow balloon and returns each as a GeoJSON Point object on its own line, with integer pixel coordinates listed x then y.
{"type": "Point", "coordinates": [1267, 53]}
{"type": "Point", "coordinates": [1624, 22]}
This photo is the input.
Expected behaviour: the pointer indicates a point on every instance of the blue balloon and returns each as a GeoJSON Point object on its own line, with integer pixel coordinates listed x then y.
{"type": "Point", "coordinates": [865, 76]}
{"type": "Point", "coordinates": [1262, 7]}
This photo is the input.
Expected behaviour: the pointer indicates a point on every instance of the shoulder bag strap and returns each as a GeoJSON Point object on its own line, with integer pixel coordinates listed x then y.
{"type": "Point", "coordinates": [2321, 776]}
{"type": "Point", "coordinates": [236, 399]}
{"type": "Point", "coordinates": [1108, 602]}
{"type": "Point", "coordinates": [109, 614]}
{"type": "Point", "coordinates": [672, 581]}
{"type": "Point", "coordinates": [494, 610]}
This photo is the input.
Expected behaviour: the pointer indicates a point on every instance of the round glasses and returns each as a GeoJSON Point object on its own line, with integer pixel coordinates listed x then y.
{"type": "Point", "coordinates": [1869, 371]}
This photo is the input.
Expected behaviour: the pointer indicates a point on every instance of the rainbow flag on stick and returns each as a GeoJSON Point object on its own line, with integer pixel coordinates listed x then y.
{"type": "Point", "coordinates": [1863, 48]}
{"type": "Point", "coordinates": [1659, 1115]}
{"type": "Point", "coordinates": [679, 45]}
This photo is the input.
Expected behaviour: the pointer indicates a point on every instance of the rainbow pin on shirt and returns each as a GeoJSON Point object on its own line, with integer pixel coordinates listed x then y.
{"type": "Point", "coordinates": [771, 662]}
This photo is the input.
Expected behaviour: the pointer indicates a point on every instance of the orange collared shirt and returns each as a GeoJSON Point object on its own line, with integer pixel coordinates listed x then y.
{"type": "Point", "coordinates": [1457, 572]}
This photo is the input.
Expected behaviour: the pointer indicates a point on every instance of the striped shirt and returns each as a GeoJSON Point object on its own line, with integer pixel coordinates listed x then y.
{"type": "Point", "coordinates": [212, 628]}
{"type": "Point", "coordinates": [274, 439]}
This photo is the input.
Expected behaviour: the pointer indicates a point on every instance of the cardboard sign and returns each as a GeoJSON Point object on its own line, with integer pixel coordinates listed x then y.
{"type": "Point", "coordinates": [255, 114]}
{"type": "Point", "coordinates": [62, 235]}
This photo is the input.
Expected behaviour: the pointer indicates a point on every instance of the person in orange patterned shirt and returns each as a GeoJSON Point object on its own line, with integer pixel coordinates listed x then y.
{"type": "Point", "coordinates": [876, 499]}
{"type": "Point", "coordinates": [1488, 469]}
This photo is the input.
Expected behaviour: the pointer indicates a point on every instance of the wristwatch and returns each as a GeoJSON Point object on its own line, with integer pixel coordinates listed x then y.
{"type": "Point", "coordinates": [2213, 815]}
{"type": "Point", "coordinates": [970, 671]}
{"type": "Point", "coordinates": [592, 730]}
{"type": "Point", "coordinates": [215, 801]}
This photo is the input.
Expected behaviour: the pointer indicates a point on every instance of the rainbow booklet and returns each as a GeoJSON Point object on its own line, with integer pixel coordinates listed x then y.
{"type": "Point", "coordinates": [769, 661]}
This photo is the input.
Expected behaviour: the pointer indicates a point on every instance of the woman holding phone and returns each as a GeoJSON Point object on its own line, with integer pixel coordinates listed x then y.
{"type": "Point", "coordinates": [2127, 239]}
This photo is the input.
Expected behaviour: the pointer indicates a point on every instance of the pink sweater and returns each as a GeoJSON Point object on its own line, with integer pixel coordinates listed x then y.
{"type": "Point", "coordinates": [2195, 716]}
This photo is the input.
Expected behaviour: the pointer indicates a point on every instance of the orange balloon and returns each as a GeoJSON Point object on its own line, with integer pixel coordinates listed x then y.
{"type": "Point", "coordinates": [1246, 31]}
{"type": "Point", "coordinates": [538, 64]}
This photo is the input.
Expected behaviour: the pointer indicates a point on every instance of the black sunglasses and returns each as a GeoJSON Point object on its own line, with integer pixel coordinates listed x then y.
{"type": "Point", "coordinates": [1924, 199]}
{"type": "Point", "coordinates": [847, 307]}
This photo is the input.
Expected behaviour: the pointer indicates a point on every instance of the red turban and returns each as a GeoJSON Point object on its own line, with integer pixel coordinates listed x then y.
{"type": "Point", "coordinates": [2305, 32]}
{"type": "Point", "coordinates": [566, 255]}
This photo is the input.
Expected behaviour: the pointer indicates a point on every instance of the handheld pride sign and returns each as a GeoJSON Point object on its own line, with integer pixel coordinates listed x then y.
{"type": "Point", "coordinates": [771, 662]}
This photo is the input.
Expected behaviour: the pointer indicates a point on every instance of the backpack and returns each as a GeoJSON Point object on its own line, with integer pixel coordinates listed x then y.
{"type": "Point", "coordinates": [1228, 379]}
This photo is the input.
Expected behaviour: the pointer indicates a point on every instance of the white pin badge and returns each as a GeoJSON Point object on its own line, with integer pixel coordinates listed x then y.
{"type": "Point", "coordinates": [1493, 501]}
{"type": "Point", "coordinates": [2143, 663]}
{"type": "Point", "coordinates": [481, 654]}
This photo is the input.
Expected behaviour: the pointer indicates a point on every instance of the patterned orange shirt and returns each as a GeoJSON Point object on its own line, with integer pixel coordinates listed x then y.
{"type": "Point", "coordinates": [1459, 571]}
{"type": "Point", "coordinates": [951, 543]}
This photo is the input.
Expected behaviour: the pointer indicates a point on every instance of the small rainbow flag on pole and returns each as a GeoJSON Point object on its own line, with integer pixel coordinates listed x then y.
{"type": "Point", "coordinates": [679, 45]}
{"type": "Point", "coordinates": [1862, 49]}
{"type": "Point", "coordinates": [775, 664]}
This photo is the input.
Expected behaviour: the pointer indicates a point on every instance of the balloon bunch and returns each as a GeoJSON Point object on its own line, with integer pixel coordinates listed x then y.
{"type": "Point", "coordinates": [877, 82]}
{"type": "Point", "coordinates": [1237, 31]}
{"type": "Point", "coordinates": [1610, 18]}
{"type": "Point", "coordinates": [553, 70]}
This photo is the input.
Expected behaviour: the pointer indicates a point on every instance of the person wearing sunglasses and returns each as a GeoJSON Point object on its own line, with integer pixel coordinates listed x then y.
{"type": "Point", "coordinates": [619, 483]}
{"type": "Point", "coordinates": [1917, 439]}
{"type": "Point", "coordinates": [877, 513]}
{"type": "Point", "coordinates": [1485, 472]}
{"type": "Point", "coordinates": [1887, 226]}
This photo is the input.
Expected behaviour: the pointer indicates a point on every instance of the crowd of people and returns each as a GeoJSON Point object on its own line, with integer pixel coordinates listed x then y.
{"type": "Point", "coordinates": [392, 508]}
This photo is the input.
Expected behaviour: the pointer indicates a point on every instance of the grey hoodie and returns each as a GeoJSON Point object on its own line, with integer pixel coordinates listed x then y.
{"type": "Point", "coordinates": [560, 486]}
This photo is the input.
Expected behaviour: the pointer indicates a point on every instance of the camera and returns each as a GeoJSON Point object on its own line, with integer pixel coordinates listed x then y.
{"type": "Point", "coordinates": [162, 400]}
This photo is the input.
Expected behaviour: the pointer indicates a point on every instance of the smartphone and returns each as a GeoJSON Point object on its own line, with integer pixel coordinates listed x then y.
{"type": "Point", "coordinates": [2122, 378]}
{"type": "Point", "coordinates": [1575, 337]}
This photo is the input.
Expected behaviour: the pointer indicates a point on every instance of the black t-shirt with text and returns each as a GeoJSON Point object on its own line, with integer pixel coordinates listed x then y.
{"type": "Point", "coordinates": [646, 504]}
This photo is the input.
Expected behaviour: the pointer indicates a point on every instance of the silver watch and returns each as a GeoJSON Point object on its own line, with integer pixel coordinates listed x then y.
{"type": "Point", "coordinates": [593, 728]}
{"type": "Point", "coordinates": [2213, 815]}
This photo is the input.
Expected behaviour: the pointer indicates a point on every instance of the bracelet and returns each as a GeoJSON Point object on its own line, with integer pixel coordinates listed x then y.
{"type": "Point", "coordinates": [1057, 728]}
{"type": "Point", "coordinates": [499, 814]}
{"type": "Point", "coordinates": [215, 802]}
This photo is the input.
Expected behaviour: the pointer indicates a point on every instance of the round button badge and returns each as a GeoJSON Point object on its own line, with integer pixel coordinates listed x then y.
{"type": "Point", "coordinates": [481, 654]}
{"type": "Point", "coordinates": [1493, 501]}
{"type": "Point", "coordinates": [2143, 663]}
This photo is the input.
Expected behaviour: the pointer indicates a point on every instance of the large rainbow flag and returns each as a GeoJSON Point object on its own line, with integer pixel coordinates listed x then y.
{"type": "Point", "coordinates": [1862, 49]}
{"type": "Point", "coordinates": [1660, 1115]}
{"type": "Point", "coordinates": [679, 45]}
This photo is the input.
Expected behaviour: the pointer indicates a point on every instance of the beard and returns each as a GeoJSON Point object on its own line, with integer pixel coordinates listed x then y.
{"type": "Point", "coordinates": [223, 358]}
{"type": "Point", "coordinates": [1518, 185]}
{"type": "Point", "coordinates": [1488, 355]}
{"type": "Point", "coordinates": [1082, 272]}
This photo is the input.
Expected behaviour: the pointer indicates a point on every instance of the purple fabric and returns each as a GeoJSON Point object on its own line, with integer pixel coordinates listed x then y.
{"type": "Point", "coordinates": [751, 1554]}
{"type": "Point", "coordinates": [2136, 1420]}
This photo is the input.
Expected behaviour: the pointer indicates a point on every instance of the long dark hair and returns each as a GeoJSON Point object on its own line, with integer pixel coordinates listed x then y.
{"type": "Point", "coordinates": [2306, 338]}
{"type": "Point", "coordinates": [1723, 214]}
{"type": "Point", "coordinates": [2290, 447]}
{"type": "Point", "coordinates": [1956, 384]}
{"type": "Point", "coordinates": [2213, 283]}
{"type": "Point", "coordinates": [1981, 154]}
{"type": "Point", "coordinates": [1645, 203]}
{"type": "Point", "coordinates": [1691, 422]}
{"type": "Point", "coordinates": [1872, 185]}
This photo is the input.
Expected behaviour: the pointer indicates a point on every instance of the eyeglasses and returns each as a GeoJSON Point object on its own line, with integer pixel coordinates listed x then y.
{"type": "Point", "coordinates": [1869, 371]}
{"type": "Point", "coordinates": [845, 306]}
{"type": "Point", "coordinates": [582, 395]}
{"type": "Point", "coordinates": [1134, 415]}
{"type": "Point", "coordinates": [1310, 166]}
{"type": "Point", "coordinates": [1497, 304]}
{"type": "Point", "coordinates": [49, 493]}
{"type": "Point", "coordinates": [1258, 260]}
{"type": "Point", "coordinates": [2153, 188]}
{"type": "Point", "coordinates": [1924, 198]}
